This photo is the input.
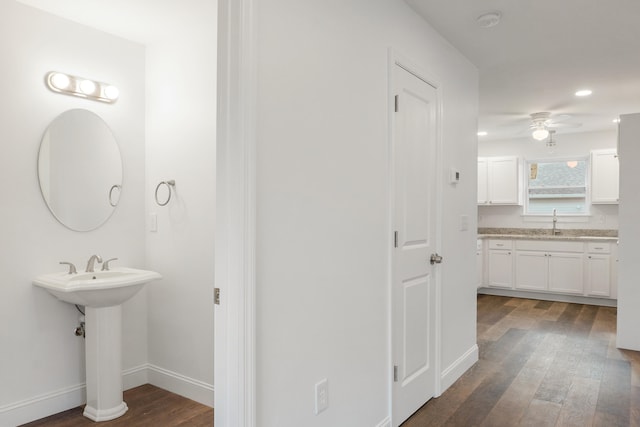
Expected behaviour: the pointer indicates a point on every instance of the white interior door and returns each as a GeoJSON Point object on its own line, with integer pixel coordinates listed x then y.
{"type": "Point", "coordinates": [414, 220]}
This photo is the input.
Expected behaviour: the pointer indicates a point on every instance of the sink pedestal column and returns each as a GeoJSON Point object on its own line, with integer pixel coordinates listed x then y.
{"type": "Point", "coordinates": [103, 353]}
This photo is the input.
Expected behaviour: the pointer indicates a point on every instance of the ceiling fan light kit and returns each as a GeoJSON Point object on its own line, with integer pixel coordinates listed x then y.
{"type": "Point", "coordinates": [540, 134]}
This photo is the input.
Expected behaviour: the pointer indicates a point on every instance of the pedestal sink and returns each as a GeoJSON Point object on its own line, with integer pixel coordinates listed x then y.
{"type": "Point", "coordinates": [102, 294]}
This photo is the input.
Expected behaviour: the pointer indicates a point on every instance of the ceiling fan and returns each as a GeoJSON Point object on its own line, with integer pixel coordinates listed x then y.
{"type": "Point", "coordinates": [543, 122]}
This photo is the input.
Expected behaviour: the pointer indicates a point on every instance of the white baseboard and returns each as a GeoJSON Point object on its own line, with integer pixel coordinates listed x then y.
{"type": "Point", "coordinates": [135, 377]}
{"type": "Point", "coordinates": [42, 406]}
{"type": "Point", "coordinates": [47, 404]}
{"type": "Point", "coordinates": [457, 368]}
{"type": "Point", "coordinates": [177, 383]}
{"type": "Point", "coordinates": [548, 296]}
{"type": "Point", "coordinates": [385, 423]}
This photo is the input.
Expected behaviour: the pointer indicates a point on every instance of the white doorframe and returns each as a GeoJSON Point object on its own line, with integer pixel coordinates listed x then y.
{"type": "Point", "coordinates": [395, 58]}
{"type": "Point", "coordinates": [235, 341]}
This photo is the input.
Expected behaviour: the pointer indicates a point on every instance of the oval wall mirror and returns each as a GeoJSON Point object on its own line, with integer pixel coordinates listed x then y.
{"type": "Point", "coordinates": [80, 170]}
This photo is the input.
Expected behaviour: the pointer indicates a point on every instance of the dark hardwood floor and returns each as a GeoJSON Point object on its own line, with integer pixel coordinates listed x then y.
{"type": "Point", "coordinates": [542, 364]}
{"type": "Point", "coordinates": [148, 406]}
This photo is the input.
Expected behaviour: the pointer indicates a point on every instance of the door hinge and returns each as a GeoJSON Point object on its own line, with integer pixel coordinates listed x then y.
{"type": "Point", "coordinates": [395, 239]}
{"type": "Point", "coordinates": [216, 296]}
{"type": "Point", "coordinates": [395, 373]}
{"type": "Point", "coordinates": [396, 103]}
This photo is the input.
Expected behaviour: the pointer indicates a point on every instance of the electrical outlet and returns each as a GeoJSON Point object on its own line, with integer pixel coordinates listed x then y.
{"type": "Point", "coordinates": [322, 396]}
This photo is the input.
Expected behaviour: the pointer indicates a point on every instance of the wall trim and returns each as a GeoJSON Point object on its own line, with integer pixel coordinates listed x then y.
{"type": "Point", "coordinates": [66, 398]}
{"type": "Point", "coordinates": [43, 405]}
{"type": "Point", "coordinates": [234, 318]}
{"type": "Point", "coordinates": [576, 299]}
{"type": "Point", "coordinates": [135, 377]}
{"type": "Point", "coordinates": [183, 385]}
{"type": "Point", "coordinates": [384, 423]}
{"type": "Point", "coordinates": [458, 367]}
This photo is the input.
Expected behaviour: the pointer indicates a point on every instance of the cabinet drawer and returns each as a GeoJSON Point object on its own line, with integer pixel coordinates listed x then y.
{"type": "Point", "coordinates": [599, 248]}
{"type": "Point", "coordinates": [500, 244]}
{"type": "Point", "coordinates": [549, 246]}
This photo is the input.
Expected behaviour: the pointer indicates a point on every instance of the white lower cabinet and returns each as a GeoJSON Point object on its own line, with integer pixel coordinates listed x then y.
{"type": "Point", "coordinates": [532, 270]}
{"type": "Point", "coordinates": [566, 273]}
{"type": "Point", "coordinates": [561, 267]}
{"type": "Point", "coordinates": [599, 271]}
{"type": "Point", "coordinates": [500, 263]}
{"type": "Point", "coordinates": [479, 265]}
{"type": "Point", "coordinates": [549, 271]}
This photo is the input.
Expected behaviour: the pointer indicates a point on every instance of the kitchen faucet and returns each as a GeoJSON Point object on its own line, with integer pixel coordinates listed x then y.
{"type": "Point", "coordinates": [555, 231]}
{"type": "Point", "coordinates": [91, 263]}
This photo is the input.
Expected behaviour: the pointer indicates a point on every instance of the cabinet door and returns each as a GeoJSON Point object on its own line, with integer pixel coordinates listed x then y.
{"type": "Point", "coordinates": [566, 272]}
{"type": "Point", "coordinates": [604, 177]}
{"type": "Point", "coordinates": [483, 194]}
{"type": "Point", "coordinates": [500, 269]}
{"type": "Point", "coordinates": [531, 270]}
{"type": "Point", "coordinates": [479, 268]}
{"type": "Point", "coordinates": [599, 275]}
{"type": "Point", "coordinates": [503, 181]}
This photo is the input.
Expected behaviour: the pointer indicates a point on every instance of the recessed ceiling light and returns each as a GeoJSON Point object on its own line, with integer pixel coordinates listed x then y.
{"type": "Point", "coordinates": [616, 120]}
{"type": "Point", "coordinates": [482, 133]}
{"type": "Point", "coordinates": [488, 20]}
{"type": "Point", "coordinates": [583, 92]}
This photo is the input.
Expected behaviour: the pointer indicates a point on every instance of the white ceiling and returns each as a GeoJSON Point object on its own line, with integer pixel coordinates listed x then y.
{"type": "Point", "coordinates": [541, 53]}
{"type": "Point", "coordinates": [142, 21]}
{"type": "Point", "coordinates": [534, 60]}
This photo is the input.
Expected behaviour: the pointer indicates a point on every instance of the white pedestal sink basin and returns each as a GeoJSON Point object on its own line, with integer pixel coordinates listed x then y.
{"type": "Point", "coordinates": [102, 294]}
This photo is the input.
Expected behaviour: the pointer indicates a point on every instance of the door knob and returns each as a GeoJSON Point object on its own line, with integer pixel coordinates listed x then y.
{"type": "Point", "coordinates": [435, 259]}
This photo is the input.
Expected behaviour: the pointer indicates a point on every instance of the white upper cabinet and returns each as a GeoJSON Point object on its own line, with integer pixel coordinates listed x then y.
{"type": "Point", "coordinates": [499, 181]}
{"type": "Point", "coordinates": [604, 176]}
{"type": "Point", "coordinates": [483, 189]}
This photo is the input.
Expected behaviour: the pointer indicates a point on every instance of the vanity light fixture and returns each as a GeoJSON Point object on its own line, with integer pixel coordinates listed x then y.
{"type": "Point", "coordinates": [483, 133]}
{"type": "Point", "coordinates": [81, 87]}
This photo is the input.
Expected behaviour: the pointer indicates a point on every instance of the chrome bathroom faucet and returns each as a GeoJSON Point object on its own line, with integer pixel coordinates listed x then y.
{"type": "Point", "coordinates": [91, 263]}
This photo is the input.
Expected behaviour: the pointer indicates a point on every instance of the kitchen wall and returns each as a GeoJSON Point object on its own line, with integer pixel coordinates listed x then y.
{"type": "Point", "coordinates": [322, 203]}
{"type": "Point", "coordinates": [567, 145]}
{"type": "Point", "coordinates": [181, 129]}
{"type": "Point", "coordinates": [41, 361]}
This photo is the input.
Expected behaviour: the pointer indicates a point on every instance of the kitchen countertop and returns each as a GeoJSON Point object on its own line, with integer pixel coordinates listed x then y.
{"type": "Point", "coordinates": [581, 235]}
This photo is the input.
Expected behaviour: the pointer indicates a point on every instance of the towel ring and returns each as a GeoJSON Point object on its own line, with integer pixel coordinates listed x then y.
{"type": "Point", "coordinates": [119, 187]}
{"type": "Point", "coordinates": [170, 185]}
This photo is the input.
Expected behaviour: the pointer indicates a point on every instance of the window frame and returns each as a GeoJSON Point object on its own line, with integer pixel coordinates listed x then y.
{"type": "Point", "coordinates": [587, 185]}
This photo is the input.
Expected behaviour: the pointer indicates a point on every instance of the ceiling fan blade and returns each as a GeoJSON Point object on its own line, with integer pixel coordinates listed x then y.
{"type": "Point", "coordinates": [560, 117]}
{"type": "Point", "coordinates": [554, 125]}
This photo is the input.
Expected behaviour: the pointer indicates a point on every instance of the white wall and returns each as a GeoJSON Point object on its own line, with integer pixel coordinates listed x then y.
{"type": "Point", "coordinates": [180, 124]}
{"type": "Point", "coordinates": [40, 356]}
{"type": "Point", "coordinates": [628, 289]}
{"type": "Point", "coordinates": [567, 145]}
{"type": "Point", "coordinates": [322, 230]}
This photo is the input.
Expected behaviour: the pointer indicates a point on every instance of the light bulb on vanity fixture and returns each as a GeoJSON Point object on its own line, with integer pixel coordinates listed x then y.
{"type": "Point", "coordinates": [87, 87]}
{"type": "Point", "coordinates": [81, 87]}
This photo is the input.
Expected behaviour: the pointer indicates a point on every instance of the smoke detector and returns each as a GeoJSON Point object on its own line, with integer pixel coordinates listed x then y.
{"type": "Point", "coordinates": [488, 20]}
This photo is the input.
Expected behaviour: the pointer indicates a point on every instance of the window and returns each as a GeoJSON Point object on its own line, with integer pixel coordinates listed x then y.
{"type": "Point", "coordinates": [557, 184]}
